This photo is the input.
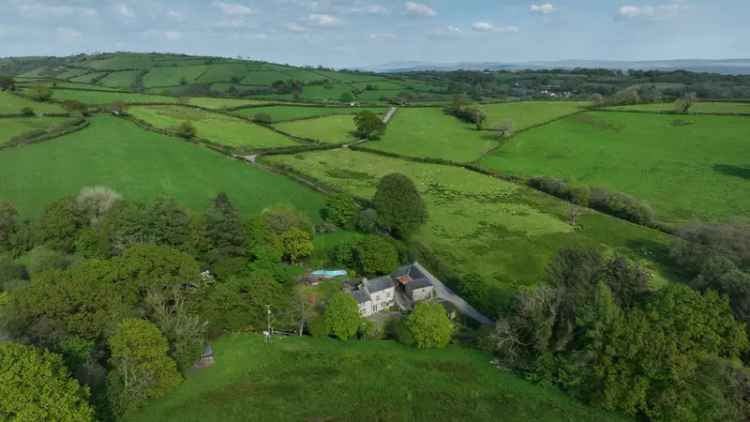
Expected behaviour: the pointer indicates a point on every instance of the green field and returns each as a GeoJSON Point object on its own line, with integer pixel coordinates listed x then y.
{"type": "Point", "coordinates": [684, 166]}
{"type": "Point", "coordinates": [331, 129]}
{"type": "Point", "coordinates": [88, 77]}
{"type": "Point", "coordinates": [172, 75]}
{"type": "Point", "coordinates": [429, 132]}
{"type": "Point", "coordinates": [282, 113]}
{"type": "Point", "coordinates": [12, 104]}
{"type": "Point", "coordinates": [141, 165]}
{"type": "Point", "coordinates": [14, 127]}
{"type": "Point", "coordinates": [122, 80]}
{"type": "Point", "coordinates": [217, 128]}
{"type": "Point", "coordinates": [528, 113]}
{"type": "Point", "coordinates": [305, 379]}
{"type": "Point", "coordinates": [502, 231]}
{"type": "Point", "coordinates": [105, 98]}
{"type": "Point", "coordinates": [220, 103]}
{"type": "Point", "coordinates": [697, 108]}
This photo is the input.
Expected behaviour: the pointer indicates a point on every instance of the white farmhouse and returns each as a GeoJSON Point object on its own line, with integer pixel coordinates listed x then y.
{"type": "Point", "coordinates": [375, 295]}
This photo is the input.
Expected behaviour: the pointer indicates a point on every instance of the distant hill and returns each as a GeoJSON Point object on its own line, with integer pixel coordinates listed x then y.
{"type": "Point", "coordinates": [726, 67]}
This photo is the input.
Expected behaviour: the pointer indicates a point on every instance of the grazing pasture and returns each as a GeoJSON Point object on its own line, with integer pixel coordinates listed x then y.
{"type": "Point", "coordinates": [685, 166]}
{"type": "Point", "coordinates": [330, 129]}
{"type": "Point", "coordinates": [141, 165]}
{"type": "Point", "coordinates": [217, 128]}
{"type": "Point", "coordinates": [282, 113]}
{"type": "Point", "coordinates": [430, 133]}
{"type": "Point", "coordinates": [307, 379]}
{"type": "Point", "coordinates": [99, 98]}
{"type": "Point", "coordinates": [14, 127]}
{"type": "Point", "coordinates": [172, 75]}
{"type": "Point", "coordinates": [718, 107]}
{"type": "Point", "coordinates": [12, 104]}
{"type": "Point", "coordinates": [503, 231]}
{"type": "Point", "coordinates": [123, 80]}
{"type": "Point", "coordinates": [528, 113]}
{"type": "Point", "coordinates": [221, 103]}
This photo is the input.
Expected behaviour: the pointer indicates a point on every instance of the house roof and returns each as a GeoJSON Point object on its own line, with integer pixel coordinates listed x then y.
{"type": "Point", "coordinates": [360, 296]}
{"type": "Point", "coordinates": [379, 284]}
{"type": "Point", "coordinates": [418, 284]}
{"type": "Point", "coordinates": [418, 274]}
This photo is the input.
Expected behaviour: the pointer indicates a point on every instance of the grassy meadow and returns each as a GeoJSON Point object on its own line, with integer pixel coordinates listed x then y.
{"type": "Point", "coordinates": [684, 166]}
{"type": "Point", "coordinates": [306, 379]}
{"type": "Point", "coordinates": [430, 133]}
{"type": "Point", "coordinates": [141, 165]}
{"type": "Point", "coordinates": [99, 98]}
{"type": "Point", "coordinates": [222, 103]}
{"type": "Point", "coordinates": [282, 113]}
{"type": "Point", "coordinates": [718, 107]}
{"type": "Point", "coordinates": [217, 128]}
{"type": "Point", "coordinates": [503, 231]}
{"type": "Point", "coordinates": [330, 129]}
{"type": "Point", "coordinates": [18, 126]}
{"type": "Point", "coordinates": [525, 114]}
{"type": "Point", "coordinates": [12, 104]}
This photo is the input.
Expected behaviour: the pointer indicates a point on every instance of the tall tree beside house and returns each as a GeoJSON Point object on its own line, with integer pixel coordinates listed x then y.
{"type": "Point", "coordinates": [225, 230]}
{"type": "Point", "coordinates": [375, 255]}
{"type": "Point", "coordinates": [35, 385]}
{"type": "Point", "coordinates": [297, 244]}
{"type": "Point", "coordinates": [142, 370]}
{"type": "Point", "coordinates": [430, 326]}
{"type": "Point", "coordinates": [342, 316]}
{"type": "Point", "coordinates": [401, 209]}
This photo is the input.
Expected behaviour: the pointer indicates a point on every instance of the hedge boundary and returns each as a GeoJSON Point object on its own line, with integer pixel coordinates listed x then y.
{"type": "Point", "coordinates": [66, 129]}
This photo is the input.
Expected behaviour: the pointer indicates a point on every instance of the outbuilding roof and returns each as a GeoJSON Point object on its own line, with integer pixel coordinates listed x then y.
{"type": "Point", "coordinates": [378, 284]}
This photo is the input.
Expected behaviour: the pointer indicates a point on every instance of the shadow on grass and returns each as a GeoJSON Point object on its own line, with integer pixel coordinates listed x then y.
{"type": "Point", "coordinates": [732, 170]}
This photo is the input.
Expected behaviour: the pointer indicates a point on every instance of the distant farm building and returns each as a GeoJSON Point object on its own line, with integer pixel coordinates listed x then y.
{"type": "Point", "coordinates": [379, 294]}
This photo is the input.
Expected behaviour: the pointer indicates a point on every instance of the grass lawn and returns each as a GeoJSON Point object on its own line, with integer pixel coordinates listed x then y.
{"type": "Point", "coordinates": [14, 127]}
{"type": "Point", "coordinates": [105, 98]}
{"type": "Point", "coordinates": [141, 165]}
{"type": "Point", "coordinates": [331, 129]}
{"type": "Point", "coordinates": [306, 379]}
{"type": "Point", "coordinates": [505, 232]}
{"type": "Point", "coordinates": [696, 108]}
{"type": "Point", "coordinates": [699, 168]}
{"type": "Point", "coordinates": [429, 132]}
{"type": "Point", "coordinates": [12, 104]}
{"type": "Point", "coordinates": [528, 113]}
{"type": "Point", "coordinates": [282, 113]}
{"type": "Point", "coordinates": [215, 127]}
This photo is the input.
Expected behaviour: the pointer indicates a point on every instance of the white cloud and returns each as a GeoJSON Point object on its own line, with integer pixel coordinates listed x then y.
{"type": "Point", "coordinates": [293, 27]}
{"type": "Point", "coordinates": [650, 12]}
{"type": "Point", "coordinates": [323, 21]}
{"type": "Point", "coordinates": [234, 9]}
{"type": "Point", "coordinates": [419, 9]}
{"type": "Point", "coordinates": [68, 34]}
{"type": "Point", "coordinates": [124, 10]}
{"type": "Point", "coordinates": [488, 27]}
{"type": "Point", "coordinates": [370, 9]}
{"type": "Point", "coordinates": [383, 36]}
{"type": "Point", "coordinates": [175, 14]}
{"type": "Point", "coordinates": [544, 8]}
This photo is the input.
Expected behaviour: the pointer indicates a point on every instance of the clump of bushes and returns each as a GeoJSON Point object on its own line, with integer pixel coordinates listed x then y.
{"type": "Point", "coordinates": [617, 204]}
{"type": "Point", "coordinates": [263, 118]}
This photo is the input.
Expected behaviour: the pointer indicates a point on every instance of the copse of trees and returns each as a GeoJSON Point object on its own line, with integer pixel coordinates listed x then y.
{"type": "Point", "coordinates": [40, 93]}
{"type": "Point", "coordinates": [471, 114]}
{"type": "Point", "coordinates": [7, 83]}
{"type": "Point", "coordinates": [596, 329]}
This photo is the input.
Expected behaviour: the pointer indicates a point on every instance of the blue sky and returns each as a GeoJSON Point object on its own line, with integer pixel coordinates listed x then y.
{"type": "Point", "coordinates": [353, 33]}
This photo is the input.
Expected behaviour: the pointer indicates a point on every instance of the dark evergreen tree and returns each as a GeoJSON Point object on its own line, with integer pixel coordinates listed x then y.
{"type": "Point", "coordinates": [224, 230]}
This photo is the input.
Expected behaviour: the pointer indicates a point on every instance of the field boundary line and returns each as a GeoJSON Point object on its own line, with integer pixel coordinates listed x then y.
{"type": "Point", "coordinates": [670, 113]}
{"type": "Point", "coordinates": [67, 130]}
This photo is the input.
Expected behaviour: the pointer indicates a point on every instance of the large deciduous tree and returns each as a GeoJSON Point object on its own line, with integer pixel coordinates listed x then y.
{"type": "Point", "coordinates": [430, 326]}
{"type": "Point", "coordinates": [35, 385]}
{"type": "Point", "coordinates": [142, 370]}
{"type": "Point", "coordinates": [401, 209]}
{"type": "Point", "coordinates": [369, 125]}
{"type": "Point", "coordinates": [341, 316]}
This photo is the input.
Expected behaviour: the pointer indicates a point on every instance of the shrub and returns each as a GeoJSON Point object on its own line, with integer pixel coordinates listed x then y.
{"type": "Point", "coordinates": [263, 118]}
{"type": "Point", "coordinates": [317, 327]}
{"type": "Point", "coordinates": [186, 130]}
{"type": "Point", "coordinates": [27, 111]}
